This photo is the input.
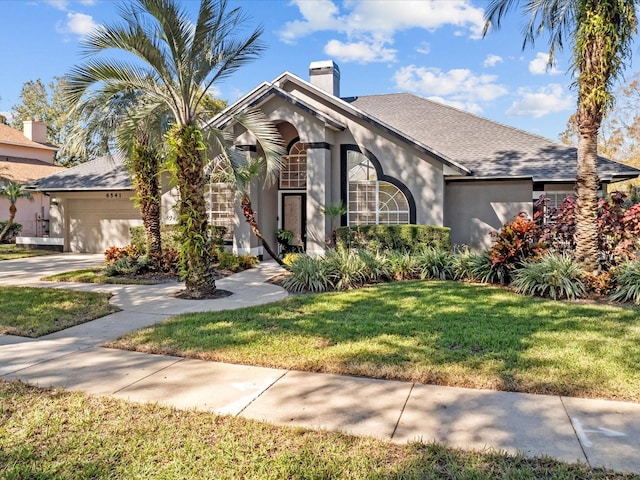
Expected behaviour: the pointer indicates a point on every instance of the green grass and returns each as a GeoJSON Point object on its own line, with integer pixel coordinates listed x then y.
{"type": "Point", "coordinates": [33, 312]}
{"type": "Point", "coordinates": [94, 275]}
{"type": "Point", "coordinates": [47, 434]}
{"type": "Point", "coordinates": [11, 252]}
{"type": "Point", "coordinates": [447, 333]}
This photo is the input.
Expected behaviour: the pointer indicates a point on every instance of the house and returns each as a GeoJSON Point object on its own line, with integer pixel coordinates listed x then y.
{"type": "Point", "coordinates": [24, 157]}
{"type": "Point", "coordinates": [391, 158]}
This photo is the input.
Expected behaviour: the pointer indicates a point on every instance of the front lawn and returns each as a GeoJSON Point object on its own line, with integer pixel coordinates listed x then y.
{"type": "Point", "coordinates": [95, 275]}
{"type": "Point", "coordinates": [11, 252]}
{"type": "Point", "coordinates": [62, 435]}
{"type": "Point", "coordinates": [446, 333]}
{"type": "Point", "coordinates": [33, 312]}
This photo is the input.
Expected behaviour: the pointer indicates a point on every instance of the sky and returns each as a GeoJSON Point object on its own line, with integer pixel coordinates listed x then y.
{"type": "Point", "coordinates": [434, 49]}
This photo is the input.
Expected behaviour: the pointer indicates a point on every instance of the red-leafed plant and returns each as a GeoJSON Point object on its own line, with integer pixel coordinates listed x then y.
{"type": "Point", "coordinates": [517, 241]}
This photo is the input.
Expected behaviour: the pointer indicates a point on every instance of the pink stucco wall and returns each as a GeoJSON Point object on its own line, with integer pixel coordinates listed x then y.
{"type": "Point", "coordinates": [26, 214]}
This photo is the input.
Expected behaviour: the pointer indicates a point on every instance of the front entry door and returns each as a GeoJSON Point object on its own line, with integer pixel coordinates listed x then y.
{"type": "Point", "coordinates": [294, 216]}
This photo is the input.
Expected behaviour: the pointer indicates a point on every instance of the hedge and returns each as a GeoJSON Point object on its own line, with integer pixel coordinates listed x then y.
{"type": "Point", "coordinates": [170, 238]}
{"type": "Point", "coordinates": [394, 237]}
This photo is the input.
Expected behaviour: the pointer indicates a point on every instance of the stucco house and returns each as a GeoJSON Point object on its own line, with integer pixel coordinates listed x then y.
{"type": "Point", "coordinates": [391, 158]}
{"type": "Point", "coordinates": [24, 157]}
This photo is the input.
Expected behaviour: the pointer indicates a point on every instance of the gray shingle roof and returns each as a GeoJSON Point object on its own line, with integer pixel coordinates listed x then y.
{"type": "Point", "coordinates": [103, 173]}
{"type": "Point", "coordinates": [487, 148]}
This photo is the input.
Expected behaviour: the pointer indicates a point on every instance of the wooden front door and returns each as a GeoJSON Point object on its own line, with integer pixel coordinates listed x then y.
{"type": "Point", "coordinates": [294, 216]}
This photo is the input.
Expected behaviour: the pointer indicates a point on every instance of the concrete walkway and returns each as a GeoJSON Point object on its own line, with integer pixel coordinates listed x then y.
{"type": "Point", "coordinates": [598, 432]}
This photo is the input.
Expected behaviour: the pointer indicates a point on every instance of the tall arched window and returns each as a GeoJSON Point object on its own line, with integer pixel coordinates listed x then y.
{"type": "Point", "coordinates": [293, 173]}
{"type": "Point", "coordinates": [372, 201]}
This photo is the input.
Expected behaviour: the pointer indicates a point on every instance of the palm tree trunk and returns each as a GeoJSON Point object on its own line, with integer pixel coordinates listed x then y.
{"type": "Point", "coordinates": [195, 252]}
{"type": "Point", "coordinates": [145, 166]}
{"type": "Point", "coordinates": [12, 216]}
{"type": "Point", "coordinates": [587, 199]}
{"type": "Point", "coordinates": [250, 216]}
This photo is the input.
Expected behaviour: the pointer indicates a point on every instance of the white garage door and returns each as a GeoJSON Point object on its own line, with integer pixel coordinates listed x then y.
{"type": "Point", "coordinates": [97, 224]}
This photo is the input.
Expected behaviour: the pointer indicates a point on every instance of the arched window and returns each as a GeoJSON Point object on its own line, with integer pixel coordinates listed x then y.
{"type": "Point", "coordinates": [293, 173]}
{"type": "Point", "coordinates": [372, 201]}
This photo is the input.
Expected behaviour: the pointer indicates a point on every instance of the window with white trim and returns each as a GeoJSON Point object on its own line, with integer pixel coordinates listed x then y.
{"type": "Point", "coordinates": [293, 173]}
{"type": "Point", "coordinates": [372, 201]}
{"type": "Point", "coordinates": [220, 198]}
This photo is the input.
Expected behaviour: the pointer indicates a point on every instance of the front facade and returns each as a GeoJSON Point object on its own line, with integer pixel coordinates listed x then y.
{"type": "Point", "coordinates": [389, 159]}
{"type": "Point", "coordinates": [24, 157]}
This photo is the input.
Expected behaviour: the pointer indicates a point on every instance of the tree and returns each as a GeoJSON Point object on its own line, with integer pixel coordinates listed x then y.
{"type": "Point", "coordinates": [48, 104]}
{"type": "Point", "coordinates": [13, 191]}
{"type": "Point", "coordinates": [174, 62]}
{"type": "Point", "coordinates": [601, 33]}
{"type": "Point", "coordinates": [619, 137]}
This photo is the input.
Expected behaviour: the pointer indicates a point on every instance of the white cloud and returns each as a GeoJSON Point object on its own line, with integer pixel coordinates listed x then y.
{"type": "Point", "coordinates": [88, 2]}
{"type": "Point", "coordinates": [370, 25]}
{"type": "Point", "coordinates": [77, 24]}
{"type": "Point", "coordinates": [492, 60]}
{"type": "Point", "coordinates": [458, 87]}
{"type": "Point", "coordinates": [59, 4]}
{"type": "Point", "coordinates": [361, 52]}
{"type": "Point", "coordinates": [539, 65]}
{"type": "Point", "coordinates": [549, 99]}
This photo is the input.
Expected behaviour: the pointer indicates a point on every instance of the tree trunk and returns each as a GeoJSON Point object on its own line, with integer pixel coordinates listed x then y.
{"type": "Point", "coordinates": [145, 166]}
{"type": "Point", "coordinates": [195, 252]}
{"type": "Point", "coordinates": [250, 216]}
{"type": "Point", "coordinates": [587, 203]}
{"type": "Point", "coordinates": [12, 216]}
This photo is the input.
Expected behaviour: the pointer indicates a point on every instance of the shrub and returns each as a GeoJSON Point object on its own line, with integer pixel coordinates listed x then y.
{"type": "Point", "coordinates": [394, 237]}
{"type": "Point", "coordinates": [12, 233]}
{"type": "Point", "coordinates": [166, 262]}
{"type": "Point", "coordinates": [555, 276]}
{"type": "Point", "coordinates": [483, 270]}
{"type": "Point", "coordinates": [402, 265]}
{"type": "Point", "coordinates": [376, 266]}
{"type": "Point", "coordinates": [235, 263]}
{"type": "Point", "coordinates": [290, 258]}
{"type": "Point", "coordinates": [308, 274]}
{"type": "Point", "coordinates": [122, 266]}
{"type": "Point", "coordinates": [517, 241]}
{"type": "Point", "coordinates": [462, 263]}
{"type": "Point", "coordinates": [435, 263]}
{"type": "Point", "coordinates": [170, 238]}
{"type": "Point", "coordinates": [601, 283]}
{"type": "Point", "coordinates": [113, 254]}
{"type": "Point", "coordinates": [345, 268]}
{"type": "Point", "coordinates": [627, 277]}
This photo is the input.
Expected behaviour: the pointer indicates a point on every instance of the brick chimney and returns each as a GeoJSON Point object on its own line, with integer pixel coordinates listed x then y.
{"type": "Point", "coordinates": [35, 131]}
{"type": "Point", "coordinates": [325, 74]}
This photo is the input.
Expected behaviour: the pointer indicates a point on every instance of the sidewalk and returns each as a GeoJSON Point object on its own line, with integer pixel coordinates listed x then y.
{"type": "Point", "coordinates": [601, 433]}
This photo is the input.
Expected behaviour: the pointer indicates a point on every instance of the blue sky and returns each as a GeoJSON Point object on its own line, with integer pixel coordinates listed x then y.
{"type": "Point", "coordinates": [431, 48]}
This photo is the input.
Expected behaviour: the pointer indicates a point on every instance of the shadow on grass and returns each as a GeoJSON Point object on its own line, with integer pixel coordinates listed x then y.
{"type": "Point", "coordinates": [448, 333]}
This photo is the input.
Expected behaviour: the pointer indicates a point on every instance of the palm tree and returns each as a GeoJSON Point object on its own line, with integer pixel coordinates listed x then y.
{"type": "Point", "coordinates": [601, 33]}
{"type": "Point", "coordinates": [120, 122]}
{"type": "Point", "coordinates": [13, 191]}
{"type": "Point", "coordinates": [177, 61]}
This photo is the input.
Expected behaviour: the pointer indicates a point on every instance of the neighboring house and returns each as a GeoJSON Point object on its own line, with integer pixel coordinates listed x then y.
{"type": "Point", "coordinates": [393, 158]}
{"type": "Point", "coordinates": [24, 157]}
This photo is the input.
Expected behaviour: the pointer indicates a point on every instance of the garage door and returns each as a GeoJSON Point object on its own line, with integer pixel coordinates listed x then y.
{"type": "Point", "coordinates": [97, 224]}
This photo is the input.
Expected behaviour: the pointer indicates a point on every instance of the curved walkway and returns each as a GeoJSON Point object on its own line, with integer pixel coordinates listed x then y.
{"type": "Point", "coordinates": [601, 433]}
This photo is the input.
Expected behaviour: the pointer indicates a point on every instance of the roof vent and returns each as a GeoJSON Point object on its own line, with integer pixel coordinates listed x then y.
{"type": "Point", "coordinates": [325, 75]}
